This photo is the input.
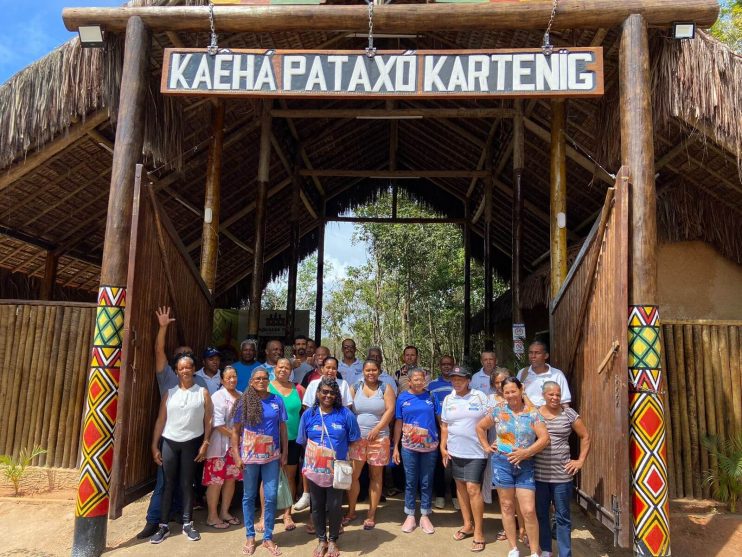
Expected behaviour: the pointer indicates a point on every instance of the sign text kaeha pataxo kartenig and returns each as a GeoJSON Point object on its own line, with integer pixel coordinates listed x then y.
{"type": "Point", "coordinates": [461, 73]}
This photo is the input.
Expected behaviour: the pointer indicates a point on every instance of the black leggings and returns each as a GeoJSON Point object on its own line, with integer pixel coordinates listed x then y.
{"type": "Point", "coordinates": [327, 505]}
{"type": "Point", "coordinates": [178, 460]}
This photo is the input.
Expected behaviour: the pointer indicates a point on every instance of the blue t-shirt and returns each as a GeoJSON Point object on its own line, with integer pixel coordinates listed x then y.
{"type": "Point", "coordinates": [419, 427]}
{"type": "Point", "coordinates": [261, 443]}
{"type": "Point", "coordinates": [440, 389]}
{"type": "Point", "coordinates": [342, 428]}
{"type": "Point", "coordinates": [244, 373]}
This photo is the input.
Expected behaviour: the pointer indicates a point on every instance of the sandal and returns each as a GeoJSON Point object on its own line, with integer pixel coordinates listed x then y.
{"type": "Point", "coordinates": [347, 519]}
{"type": "Point", "coordinates": [319, 551]}
{"type": "Point", "coordinates": [233, 520]}
{"type": "Point", "coordinates": [369, 524]}
{"type": "Point", "coordinates": [289, 524]}
{"type": "Point", "coordinates": [218, 525]}
{"type": "Point", "coordinates": [461, 535]}
{"type": "Point", "coordinates": [502, 536]}
{"type": "Point", "coordinates": [476, 546]}
{"type": "Point", "coordinates": [273, 549]}
{"type": "Point", "coordinates": [310, 529]}
{"type": "Point", "coordinates": [333, 550]}
{"type": "Point", "coordinates": [523, 539]}
{"type": "Point", "coordinates": [249, 547]}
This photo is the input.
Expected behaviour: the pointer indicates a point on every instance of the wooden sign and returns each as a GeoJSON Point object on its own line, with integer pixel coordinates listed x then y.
{"type": "Point", "coordinates": [389, 74]}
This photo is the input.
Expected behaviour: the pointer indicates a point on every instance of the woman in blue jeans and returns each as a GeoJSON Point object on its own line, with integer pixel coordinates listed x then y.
{"type": "Point", "coordinates": [521, 434]}
{"type": "Point", "coordinates": [415, 425]}
{"type": "Point", "coordinates": [260, 432]}
{"type": "Point", "coordinates": [555, 470]}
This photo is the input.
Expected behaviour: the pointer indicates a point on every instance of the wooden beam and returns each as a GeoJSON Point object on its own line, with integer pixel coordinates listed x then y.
{"type": "Point", "coordinates": [517, 212]}
{"type": "Point", "coordinates": [292, 172]}
{"type": "Point", "coordinates": [320, 275]}
{"type": "Point", "coordinates": [393, 114]}
{"type": "Point", "coordinates": [391, 18]}
{"type": "Point", "coordinates": [212, 196]}
{"type": "Point", "coordinates": [480, 163]}
{"type": "Point", "coordinates": [19, 169]}
{"type": "Point", "coordinates": [489, 330]}
{"type": "Point", "coordinates": [303, 152]}
{"type": "Point", "coordinates": [50, 276]}
{"type": "Point", "coordinates": [467, 281]}
{"type": "Point", "coordinates": [558, 196]}
{"type": "Point", "coordinates": [372, 173]}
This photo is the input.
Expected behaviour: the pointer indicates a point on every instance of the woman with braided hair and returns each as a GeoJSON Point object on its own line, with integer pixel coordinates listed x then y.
{"type": "Point", "coordinates": [327, 428]}
{"type": "Point", "coordinates": [260, 434]}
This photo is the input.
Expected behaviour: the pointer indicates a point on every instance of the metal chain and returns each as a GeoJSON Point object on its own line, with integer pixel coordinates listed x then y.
{"type": "Point", "coordinates": [213, 47]}
{"type": "Point", "coordinates": [370, 49]}
{"type": "Point", "coordinates": [547, 46]}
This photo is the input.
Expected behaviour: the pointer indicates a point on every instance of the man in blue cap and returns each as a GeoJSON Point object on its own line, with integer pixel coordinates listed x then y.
{"type": "Point", "coordinates": [210, 372]}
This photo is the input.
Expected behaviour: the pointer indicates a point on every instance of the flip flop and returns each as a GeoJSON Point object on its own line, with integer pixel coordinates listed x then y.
{"type": "Point", "coordinates": [234, 521]}
{"type": "Point", "coordinates": [273, 549]}
{"type": "Point", "coordinates": [248, 548]}
{"type": "Point", "coordinates": [461, 535]}
{"type": "Point", "coordinates": [368, 524]}
{"type": "Point", "coordinates": [218, 525]}
{"type": "Point", "coordinates": [347, 519]}
{"type": "Point", "coordinates": [310, 530]}
{"type": "Point", "coordinates": [476, 546]}
{"type": "Point", "coordinates": [502, 536]}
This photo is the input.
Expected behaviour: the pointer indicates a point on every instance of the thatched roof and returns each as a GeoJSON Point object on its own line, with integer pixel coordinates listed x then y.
{"type": "Point", "coordinates": [66, 133]}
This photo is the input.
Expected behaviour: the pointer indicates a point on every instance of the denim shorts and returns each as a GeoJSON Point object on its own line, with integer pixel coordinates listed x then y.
{"type": "Point", "coordinates": [506, 475]}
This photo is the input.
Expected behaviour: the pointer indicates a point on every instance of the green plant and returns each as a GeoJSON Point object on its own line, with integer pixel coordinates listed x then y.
{"type": "Point", "coordinates": [726, 479]}
{"type": "Point", "coordinates": [14, 468]}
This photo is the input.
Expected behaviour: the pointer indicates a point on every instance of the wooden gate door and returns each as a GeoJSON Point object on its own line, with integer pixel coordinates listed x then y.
{"type": "Point", "coordinates": [161, 273]}
{"type": "Point", "coordinates": [589, 342]}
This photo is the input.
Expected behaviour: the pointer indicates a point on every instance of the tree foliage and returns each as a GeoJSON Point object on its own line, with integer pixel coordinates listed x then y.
{"type": "Point", "coordinates": [728, 28]}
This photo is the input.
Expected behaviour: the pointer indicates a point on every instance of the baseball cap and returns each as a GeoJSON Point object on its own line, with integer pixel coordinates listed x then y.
{"type": "Point", "coordinates": [460, 371]}
{"type": "Point", "coordinates": [210, 351]}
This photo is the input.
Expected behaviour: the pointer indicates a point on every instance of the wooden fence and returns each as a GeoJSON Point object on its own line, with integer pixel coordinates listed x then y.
{"type": "Point", "coordinates": [45, 356]}
{"type": "Point", "coordinates": [703, 369]}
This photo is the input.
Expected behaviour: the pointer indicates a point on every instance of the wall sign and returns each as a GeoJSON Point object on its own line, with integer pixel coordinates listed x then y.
{"type": "Point", "coordinates": [389, 74]}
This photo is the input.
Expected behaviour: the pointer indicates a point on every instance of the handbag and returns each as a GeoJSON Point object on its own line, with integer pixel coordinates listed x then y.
{"type": "Point", "coordinates": [342, 470]}
{"type": "Point", "coordinates": [283, 498]}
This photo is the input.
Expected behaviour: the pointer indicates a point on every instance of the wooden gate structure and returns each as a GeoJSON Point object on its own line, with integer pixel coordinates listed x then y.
{"type": "Point", "coordinates": [588, 336]}
{"type": "Point", "coordinates": [155, 253]}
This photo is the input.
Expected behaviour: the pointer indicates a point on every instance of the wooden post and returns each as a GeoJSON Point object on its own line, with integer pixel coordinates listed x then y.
{"type": "Point", "coordinates": [467, 280]}
{"type": "Point", "coordinates": [50, 276]}
{"type": "Point", "coordinates": [646, 411]}
{"type": "Point", "coordinates": [294, 262]}
{"type": "Point", "coordinates": [489, 183]}
{"type": "Point", "coordinates": [517, 225]}
{"type": "Point", "coordinates": [558, 196]}
{"type": "Point", "coordinates": [97, 435]}
{"type": "Point", "coordinates": [320, 275]}
{"type": "Point", "coordinates": [210, 235]}
{"type": "Point", "coordinates": [253, 317]}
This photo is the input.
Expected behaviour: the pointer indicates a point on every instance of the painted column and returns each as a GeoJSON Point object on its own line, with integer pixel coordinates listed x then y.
{"type": "Point", "coordinates": [648, 454]}
{"type": "Point", "coordinates": [91, 510]}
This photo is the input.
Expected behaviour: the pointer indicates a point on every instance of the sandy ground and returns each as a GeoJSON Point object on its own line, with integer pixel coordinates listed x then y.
{"type": "Point", "coordinates": [41, 526]}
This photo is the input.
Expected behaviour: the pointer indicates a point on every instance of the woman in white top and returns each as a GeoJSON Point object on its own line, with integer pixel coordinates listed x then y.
{"type": "Point", "coordinates": [184, 418]}
{"type": "Point", "coordinates": [460, 413]}
{"type": "Point", "coordinates": [220, 470]}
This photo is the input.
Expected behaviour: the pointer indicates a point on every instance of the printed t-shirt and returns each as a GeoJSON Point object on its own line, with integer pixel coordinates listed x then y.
{"type": "Point", "coordinates": [515, 431]}
{"type": "Point", "coordinates": [440, 389]}
{"type": "Point", "coordinates": [326, 443]}
{"type": "Point", "coordinates": [244, 373]}
{"type": "Point", "coordinates": [311, 393]}
{"type": "Point", "coordinates": [462, 414]}
{"type": "Point", "coordinates": [292, 403]}
{"type": "Point", "coordinates": [419, 428]}
{"type": "Point", "coordinates": [261, 443]}
{"type": "Point", "coordinates": [533, 383]}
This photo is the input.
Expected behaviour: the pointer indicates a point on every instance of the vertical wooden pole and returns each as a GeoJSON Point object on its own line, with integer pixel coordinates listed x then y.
{"type": "Point", "coordinates": [488, 186]}
{"type": "Point", "coordinates": [467, 280]}
{"type": "Point", "coordinates": [294, 262]}
{"type": "Point", "coordinates": [517, 225]}
{"type": "Point", "coordinates": [320, 275]}
{"type": "Point", "coordinates": [97, 435]}
{"type": "Point", "coordinates": [646, 412]}
{"type": "Point", "coordinates": [210, 234]}
{"type": "Point", "coordinates": [256, 291]}
{"type": "Point", "coordinates": [50, 276]}
{"type": "Point", "coordinates": [558, 196]}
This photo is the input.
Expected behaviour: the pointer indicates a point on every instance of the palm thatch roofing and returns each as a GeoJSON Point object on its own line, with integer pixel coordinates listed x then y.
{"type": "Point", "coordinates": [57, 128]}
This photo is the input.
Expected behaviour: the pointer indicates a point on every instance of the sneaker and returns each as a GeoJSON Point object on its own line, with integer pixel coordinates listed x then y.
{"type": "Point", "coordinates": [190, 532]}
{"type": "Point", "coordinates": [514, 552]}
{"type": "Point", "coordinates": [456, 504]}
{"type": "Point", "coordinates": [439, 502]}
{"type": "Point", "coordinates": [302, 503]}
{"type": "Point", "coordinates": [162, 532]}
{"type": "Point", "coordinates": [546, 554]}
{"type": "Point", "coordinates": [149, 530]}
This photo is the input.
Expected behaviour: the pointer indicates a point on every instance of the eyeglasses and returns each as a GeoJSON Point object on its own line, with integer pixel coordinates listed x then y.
{"type": "Point", "coordinates": [260, 379]}
{"type": "Point", "coordinates": [326, 393]}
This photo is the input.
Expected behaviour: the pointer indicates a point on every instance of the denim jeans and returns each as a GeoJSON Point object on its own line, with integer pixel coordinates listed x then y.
{"type": "Point", "coordinates": [561, 495]}
{"type": "Point", "coordinates": [419, 469]}
{"type": "Point", "coordinates": [251, 476]}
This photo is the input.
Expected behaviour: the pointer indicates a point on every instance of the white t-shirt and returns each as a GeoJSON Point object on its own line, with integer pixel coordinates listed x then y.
{"type": "Point", "coordinates": [462, 414]}
{"type": "Point", "coordinates": [533, 382]}
{"type": "Point", "coordinates": [352, 373]}
{"type": "Point", "coordinates": [310, 394]}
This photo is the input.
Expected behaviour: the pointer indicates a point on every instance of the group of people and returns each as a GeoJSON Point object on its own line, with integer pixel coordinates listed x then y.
{"type": "Point", "coordinates": [258, 422]}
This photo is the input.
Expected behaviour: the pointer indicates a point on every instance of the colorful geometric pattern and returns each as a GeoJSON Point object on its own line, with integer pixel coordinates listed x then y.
{"type": "Point", "coordinates": [102, 400]}
{"type": "Point", "coordinates": [648, 453]}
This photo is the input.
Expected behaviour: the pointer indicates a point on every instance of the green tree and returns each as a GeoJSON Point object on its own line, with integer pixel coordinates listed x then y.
{"type": "Point", "coordinates": [728, 28]}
